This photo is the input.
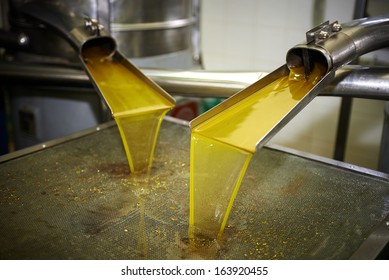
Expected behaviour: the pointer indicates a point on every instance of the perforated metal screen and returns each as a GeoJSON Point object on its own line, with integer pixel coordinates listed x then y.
{"type": "Point", "coordinates": [77, 200]}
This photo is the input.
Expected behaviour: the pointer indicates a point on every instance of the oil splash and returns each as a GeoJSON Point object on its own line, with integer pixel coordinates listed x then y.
{"type": "Point", "coordinates": [223, 144]}
{"type": "Point", "coordinates": [137, 105]}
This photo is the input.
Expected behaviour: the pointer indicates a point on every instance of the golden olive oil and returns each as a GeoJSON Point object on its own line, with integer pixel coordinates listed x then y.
{"type": "Point", "coordinates": [137, 108]}
{"type": "Point", "coordinates": [222, 146]}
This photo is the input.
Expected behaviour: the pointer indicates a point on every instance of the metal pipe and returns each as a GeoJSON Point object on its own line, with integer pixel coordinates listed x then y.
{"type": "Point", "coordinates": [351, 80]}
{"type": "Point", "coordinates": [356, 38]}
{"type": "Point", "coordinates": [203, 83]}
{"type": "Point", "coordinates": [360, 81]}
{"type": "Point", "coordinates": [77, 29]}
{"type": "Point", "coordinates": [334, 45]}
{"type": "Point", "coordinates": [346, 103]}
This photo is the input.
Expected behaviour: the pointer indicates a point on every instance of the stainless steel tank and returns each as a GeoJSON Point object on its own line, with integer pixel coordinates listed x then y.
{"type": "Point", "coordinates": [148, 28]}
{"type": "Point", "coordinates": [162, 30]}
{"type": "Point", "coordinates": [150, 33]}
{"type": "Point", "coordinates": [158, 32]}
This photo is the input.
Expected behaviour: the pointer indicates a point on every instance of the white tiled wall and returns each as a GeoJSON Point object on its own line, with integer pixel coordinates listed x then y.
{"type": "Point", "coordinates": [251, 34]}
{"type": "Point", "coordinates": [255, 35]}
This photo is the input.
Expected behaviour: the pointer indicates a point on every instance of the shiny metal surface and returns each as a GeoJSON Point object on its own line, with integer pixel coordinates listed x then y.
{"type": "Point", "coordinates": [83, 33]}
{"type": "Point", "coordinates": [383, 163]}
{"type": "Point", "coordinates": [350, 80]}
{"type": "Point", "coordinates": [148, 28]}
{"type": "Point", "coordinates": [339, 164]}
{"type": "Point", "coordinates": [131, 68]}
{"type": "Point", "coordinates": [203, 83]}
{"type": "Point", "coordinates": [369, 82]}
{"type": "Point", "coordinates": [282, 71]}
{"type": "Point", "coordinates": [376, 245]}
{"type": "Point", "coordinates": [140, 28]}
{"type": "Point", "coordinates": [58, 50]}
{"type": "Point", "coordinates": [73, 200]}
{"type": "Point", "coordinates": [341, 47]}
{"type": "Point", "coordinates": [359, 81]}
{"type": "Point", "coordinates": [72, 25]}
{"type": "Point", "coordinates": [13, 40]}
{"type": "Point", "coordinates": [176, 23]}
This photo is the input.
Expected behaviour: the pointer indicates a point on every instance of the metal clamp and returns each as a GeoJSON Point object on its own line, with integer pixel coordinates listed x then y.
{"type": "Point", "coordinates": [93, 25]}
{"type": "Point", "coordinates": [322, 31]}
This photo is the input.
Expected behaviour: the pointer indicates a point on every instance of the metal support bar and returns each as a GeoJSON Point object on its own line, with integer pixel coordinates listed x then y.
{"type": "Point", "coordinates": [383, 164]}
{"type": "Point", "coordinates": [343, 127]}
{"type": "Point", "coordinates": [350, 80]}
{"type": "Point", "coordinates": [347, 102]}
{"type": "Point", "coordinates": [375, 246]}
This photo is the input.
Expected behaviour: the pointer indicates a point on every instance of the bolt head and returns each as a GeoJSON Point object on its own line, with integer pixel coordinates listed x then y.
{"type": "Point", "coordinates": [323, 35]}
{"type": "Point", "coordinates": [336, 27]}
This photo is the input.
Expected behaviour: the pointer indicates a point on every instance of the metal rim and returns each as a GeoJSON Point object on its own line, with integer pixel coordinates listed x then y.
{"type": "Point", "coordinates": [177, 23]}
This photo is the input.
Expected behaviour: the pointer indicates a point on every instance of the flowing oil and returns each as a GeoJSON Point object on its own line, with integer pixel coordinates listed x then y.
{"type": "Point", "coordinates": [137, 105]}
{"type": "Point", "coordinates": [223, 144]}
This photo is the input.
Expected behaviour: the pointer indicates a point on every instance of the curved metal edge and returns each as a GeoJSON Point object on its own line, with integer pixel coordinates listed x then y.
{"type": "Point", "coordinates": [88, 131]}
{"type": "Point", "coordinates": [71, 26]}
{"type": "Point", "coordinates": [177, 23]}
{"type": "Point", "coordinates": [360, 82]}
{"type": "Point", "coordinates": [352, 40]}
{"type": "Point", "coordinates": [54, 142]}
{"type": "Point", "coordinates": [378, 240]}
{"type": "Point", "coordinates": [374, 244]}
{"type": "Point", "coordinates": [332, 162]}
{"type": "Point", "coordinates": [73, 136]}
{"type": "Point", "coordinates": [241, 95]}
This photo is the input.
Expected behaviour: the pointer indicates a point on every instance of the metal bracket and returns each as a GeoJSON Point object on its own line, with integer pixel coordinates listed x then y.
{"type": "Point", "coordinates": [93, 26]}
{"type": "Point", "coordinates": [322, 31]}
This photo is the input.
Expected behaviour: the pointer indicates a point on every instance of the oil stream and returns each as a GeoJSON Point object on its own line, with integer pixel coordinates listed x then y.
{"type": "Point", "coordinates": [137, 107]}
{"type": "Point", "coordinates": [222, 146]}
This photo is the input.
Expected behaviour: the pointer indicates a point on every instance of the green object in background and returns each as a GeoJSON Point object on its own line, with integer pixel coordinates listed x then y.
{"type": "Point", "coordinates": [208, 103]}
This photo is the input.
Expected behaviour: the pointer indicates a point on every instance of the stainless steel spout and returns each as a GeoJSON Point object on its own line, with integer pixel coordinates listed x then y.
{"type": "Point", "coordinates": [79, 30]}
{"type": "Point", "coordinates": [334, 45]}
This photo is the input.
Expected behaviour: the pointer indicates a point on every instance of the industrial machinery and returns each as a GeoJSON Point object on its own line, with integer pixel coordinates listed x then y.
{"type": "Point", "coordinates": [161, 35]}
{"type": "Point", "coordinates": [75, 198]}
